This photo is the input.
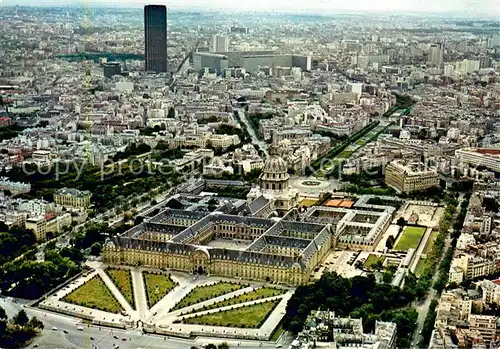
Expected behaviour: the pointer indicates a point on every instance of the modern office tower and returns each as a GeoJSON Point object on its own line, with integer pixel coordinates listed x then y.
{"type": "Point", "coordinates": [111, 68]}
{"type": "Point", "coordinates": [220, 43]}
{"type": "Point", "coordinates": [435, 57]}
{"type": "Point", "coordinates": [155, 29]}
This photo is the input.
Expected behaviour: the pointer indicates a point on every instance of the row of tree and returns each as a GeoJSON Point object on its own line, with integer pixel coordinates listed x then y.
{"type": "Point", "coordinates": [254, 119]}
{"type": "Point", "coordinates": [19, 330]}
{"type": "Point", "coordinates": [29, 278]}
{"type": "Point", "coordinates": [333, 152]}
{"type": "Point", "coordinates": [213, 346]}
{"type": "Point", "coordinates": [8, 132]}
{"type": "Point", "coordinates": [14, 242]}
{"type": "Point", "coordinates": [115, 183]}
{"type": "Point", "coordinates": [444, 267]}
{"type": "Point", "coordinates": [133, 149]}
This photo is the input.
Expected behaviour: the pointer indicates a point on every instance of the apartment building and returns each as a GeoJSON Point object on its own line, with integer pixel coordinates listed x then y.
{"type": "Point", "coordinates": [408, 178]}
{"type": "Point", "coordinates": [70, 197]}
{"type": "Point", "coordinates": [454, 308]}
{"type": "Point", "coordinates": [489, 158]}
{"type": "Point", "coordinates": [491, 291]}
{"type": "Point", "coordinates": [43, 226]}
{"type": "Point", "coordinates": [486, 325]}
{"type": "Point", "coordinates": [223, 141]}
{"type": "Point", "coordinates": [474, 266]}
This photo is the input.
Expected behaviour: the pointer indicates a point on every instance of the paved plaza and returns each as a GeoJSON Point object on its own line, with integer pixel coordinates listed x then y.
{"type": "Point", "coordinates": [312, 186]}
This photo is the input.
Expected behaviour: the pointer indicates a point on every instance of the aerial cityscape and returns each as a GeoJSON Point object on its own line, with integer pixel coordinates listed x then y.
{"type": "Point", "coordinates": [230, 174]}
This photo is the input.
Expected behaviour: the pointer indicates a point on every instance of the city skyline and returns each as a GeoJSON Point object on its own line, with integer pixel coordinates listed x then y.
{"type": "Point", "coordinates": [487, 8]}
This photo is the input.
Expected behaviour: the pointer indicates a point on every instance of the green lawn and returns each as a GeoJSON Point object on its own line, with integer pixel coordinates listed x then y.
{"type": "Point", "coordinates": [123, 280]}
{"type": "Point", "coordinates": [430, 242]}
{"type": "Point", "coordinates": [372, 258]}
{"type": "Point", "coordinates": [94, 294]}
{"type": "Point", "coordinates": [345, 154]}
{"type": "Point", "coordinates": [251, 316]}
{"type": "Point", "coordinates": [203, 293]}
{"type": "Point", "coordinates": [410, 238]}
{"type": "Point", "coordinates": [277, 332]}
{"type": "Point", "coordinates": [157, 286]}
{"type": "Point", "coordinates": [420, 266]}
{"type": "Point", "coordinates": [260, 293]}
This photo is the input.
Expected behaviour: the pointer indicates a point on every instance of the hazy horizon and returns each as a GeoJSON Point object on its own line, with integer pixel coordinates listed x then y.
{"type": "Point", "coordinates": [472, 8]}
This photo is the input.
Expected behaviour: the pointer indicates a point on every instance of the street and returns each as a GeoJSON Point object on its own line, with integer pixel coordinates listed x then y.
{"type": "Point", "coordinates": [53, 336]}
{"type": "Point", "coordinates": [423, 307]}
{"type": "Point", "coordinates": [255, 139]}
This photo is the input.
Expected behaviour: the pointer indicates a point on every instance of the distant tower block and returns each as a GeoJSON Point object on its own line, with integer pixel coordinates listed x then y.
{"type": "Point", "coordinates": [155, 31]}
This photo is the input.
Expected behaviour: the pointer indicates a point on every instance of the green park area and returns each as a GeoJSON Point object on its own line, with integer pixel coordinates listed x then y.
{"type": "Point", "coordinates": [343, 151]}
{"type": "Point", "coordinates": [251, 316]}
{"type": "Point", "coordinates": [157, 286]}
{"type": "Point", "coordinates": [278, 331]}
{"type": "Point", "coordinates": [410, 239]}
{"type": "Point", "coordinates": [430, 242]}
{"type": "Point", "coordinates": [420, 266]}
{"type": "Point", "coordinates": [203, 293]}
{"type": "Point", "coordinates": [373, 259]}
{"type": "Point", "coordinates": [260, 293]}
{"type": "Point", "coordinates": [123, 281]}
{"type": "Point", "coordinates": [94, 294]}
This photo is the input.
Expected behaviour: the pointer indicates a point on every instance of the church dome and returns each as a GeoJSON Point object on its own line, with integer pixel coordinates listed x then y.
{"type": "Point", "coordinates": [275, 164]}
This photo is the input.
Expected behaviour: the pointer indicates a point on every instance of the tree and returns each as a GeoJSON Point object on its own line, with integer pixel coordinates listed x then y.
{"type": "Point", "coordinates": [377, 265]}
{"type": "Point", "coordinates": [21, 318]}
{"type": "Point", "coordinates": [223, 346]}
{"type": "Point", "coordinates": [211, 346]}
{"type": "Point", "coordinates": [401, 221]}
{"type": "Point", "coordinates": [35, 323]}
{"type": "Point", "coordinates": [171, 113]}
{"type": "Point", "coordinates": [95, 249]}
{"type": "Point", "coordinates": [389, 243]}
{"type": "Point", "coordinates": [127, 216]}
{"type": "Point", "coordinates": [3, 314]}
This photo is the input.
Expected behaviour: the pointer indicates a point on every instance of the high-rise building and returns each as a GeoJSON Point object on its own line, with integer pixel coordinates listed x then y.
{"type": "Point", "coordinates": [220, 43]}
{"type": "Point", "coordinates": [155, 29]}
{"type": "Point", "coordinates": [448, 70]}
{"type": "Point", "coordinates": [484, 62]}
{"type": "Point", "coordinates": [111, 68]}
{"type": "Point", "coordinates": [435, 57]}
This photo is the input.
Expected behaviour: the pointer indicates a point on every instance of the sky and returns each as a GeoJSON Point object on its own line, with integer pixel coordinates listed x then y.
{"type": "Point", "coordinates": [471, 7]}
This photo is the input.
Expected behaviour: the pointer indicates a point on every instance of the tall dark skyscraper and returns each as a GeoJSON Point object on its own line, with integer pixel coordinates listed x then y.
{"type": "Point", "coordinates": [155, 29]}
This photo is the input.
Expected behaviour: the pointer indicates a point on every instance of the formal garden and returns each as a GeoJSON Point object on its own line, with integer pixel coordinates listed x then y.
{"type": "Point", "coordinates": [206, 292]}
{"type": "Point", "coordinates": [122, 278]}
{"type": "Point", "coordinates": [260, 293]}
{"type": "Point", "coordinates": [374, 261]}
{"type": "Point", "coordinates": [158, 285]}
{"type": "Point", "coordinates": [250, 316]}
{"type": "Point", "coordinates": [95, 295]}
